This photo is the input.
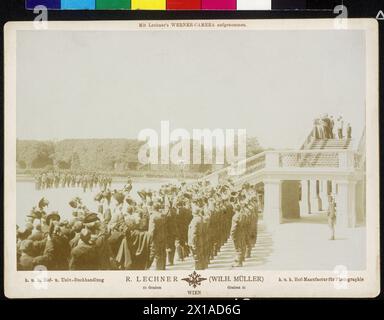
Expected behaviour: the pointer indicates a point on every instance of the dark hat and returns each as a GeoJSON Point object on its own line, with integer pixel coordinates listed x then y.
{"type": "Point", "coordinates": [43, 203]}
{"type": "Point", "coordinates": [90, 217]}
{"type": "Point", "coordinates": [99, 197]}
{"type": "Point", "coordinates": [142, 194]}
{"type": "Point", "coordinates": [73, 204]}
{"type": "Point", "coordinates": [187, 195]}
{"type": "Point", "coordinates": [53, 215]}
{"type": "Point", "coordinates": [129, 200]}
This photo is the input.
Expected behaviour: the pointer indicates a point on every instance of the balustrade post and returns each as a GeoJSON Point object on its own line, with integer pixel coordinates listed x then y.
{"type": "Point", "coordinates": [272, 214]}
{"type": "Point", "coordinates": [314, 196]}
{"type": "Point", "coordinates": [272, 160]}
{"type": "Point", "coordinates": [346, 159]}
{"type": "Point", "coordinates": [305, 203]}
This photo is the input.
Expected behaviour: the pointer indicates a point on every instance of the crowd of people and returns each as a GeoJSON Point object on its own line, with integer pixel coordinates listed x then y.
{"type": "Point", "coordinates": [329, 127]}
{"type": "Point", "coordinates": [149, 230]}
{"type": "Point", "coordinates": [87, 181]}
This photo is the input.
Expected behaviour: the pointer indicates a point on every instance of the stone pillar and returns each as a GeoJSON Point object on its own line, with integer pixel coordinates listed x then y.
{"type": "Point", "coordinates": [290, 199]}
{"type": "Point", "coordinates": [314, 196]}
{"type": "Point", "coordinates": [346, 204]}
{"type": "Point", "coordinates": [272, 203]}
{"type": "Point", "coordinates": [305, 203]}
{"type": "Point", "coordinates": [323, 194]}
{"type": "Point", "coordinates": [334, 187]}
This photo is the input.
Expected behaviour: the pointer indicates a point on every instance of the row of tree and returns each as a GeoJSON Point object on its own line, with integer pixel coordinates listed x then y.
{"type": "Point", "coordinates": [92, 154]}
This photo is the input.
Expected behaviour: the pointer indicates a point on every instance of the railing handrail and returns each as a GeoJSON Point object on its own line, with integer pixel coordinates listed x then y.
{"type": "Point", "coordinates": [258, 155]}
{"type": "Point", "coordinates": [312, 151]}
{"type": "Point", "coordinates": [282, 152]}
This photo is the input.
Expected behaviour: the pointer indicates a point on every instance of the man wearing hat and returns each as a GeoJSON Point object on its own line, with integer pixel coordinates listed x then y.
{"type": "Point", "coordinates": [119, 203]}
{"type": "Point", "coordinates": [237, 235]}
{"type": "Point", "coordinates": [183, 219]}
{"type": "Point", "coordinates": [26, 260]}
{"type": "Point", "coordinates": [157, 230]}
{"type": "Point", "coordinates": [52, 218]}
{"type": "Point", "coordinates": [77, 227]}
{"type": "Point", "coordinates": [99, 237]}
{"type": "Point", "coordinates": [56, 250]}
{"type": "Point", "coordinates": [172, 233]}
{"type": "Point", "coordinates": [84, 255]}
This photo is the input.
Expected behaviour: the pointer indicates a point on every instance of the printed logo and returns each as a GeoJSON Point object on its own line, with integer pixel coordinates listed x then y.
{"type": "Point", "coordinates": [194, 279]}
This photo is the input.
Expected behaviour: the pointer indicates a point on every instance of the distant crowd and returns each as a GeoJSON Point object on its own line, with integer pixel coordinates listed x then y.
{"type": "Point", "coordinates": [87, 181]}
{"type": "Point", "coordinates": [329, 127]}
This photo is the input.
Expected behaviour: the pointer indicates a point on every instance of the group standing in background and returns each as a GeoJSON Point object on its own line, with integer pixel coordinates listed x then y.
{"type": "Point", "coordinates": [329, 127]}
{"type": "Point", "coordinates": [87, 181]}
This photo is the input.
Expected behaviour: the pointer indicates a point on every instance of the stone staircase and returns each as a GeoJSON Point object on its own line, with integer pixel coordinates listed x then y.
{"type": "Point", "coordinates": [320, 159]}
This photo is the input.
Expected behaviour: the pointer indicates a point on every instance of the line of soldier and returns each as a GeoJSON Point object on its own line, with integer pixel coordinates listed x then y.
{"type": "Point", "coordinates": [173, 222]}
{"type": "Point", "coordinates": [87, 181]}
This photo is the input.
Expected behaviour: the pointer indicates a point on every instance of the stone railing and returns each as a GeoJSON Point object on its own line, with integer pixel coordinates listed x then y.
{"type": "Point", "coordinates": [288, 160]}
{"type": "Point", "coordinates": [308, 141]}
{"type": "Point", "coordinates": [239, 169]}
{"type": "Point", "coordinates": [311, 159]}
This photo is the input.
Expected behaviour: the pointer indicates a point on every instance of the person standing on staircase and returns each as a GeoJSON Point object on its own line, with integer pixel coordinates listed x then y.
{"type": "Point", "coordinates": [331, 126]}
{"type": "Point", "coordinates": [349, 131]}
{"type": "Point", "coordinates": [237, 235]}
{"type": "Point", "coordinates": [195, 237]}
{"type": "Point", "coordinates": [340, 125]}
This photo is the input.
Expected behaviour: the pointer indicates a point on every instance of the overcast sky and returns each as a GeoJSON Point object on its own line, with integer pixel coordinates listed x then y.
{"type": "Point", "coordinates": [114, 84]}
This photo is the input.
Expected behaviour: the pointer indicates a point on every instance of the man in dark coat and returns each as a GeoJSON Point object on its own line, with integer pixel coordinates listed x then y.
{"type": "Point", "coordinates": [237, 235]}
{"type": "Point", "coordinates": [26, 260]}
{"type": "Point", "coordinates": [157, 231]}
{"type": "Point", "coordinates": [195, 238]}
{"type": "Point", "coordinates": [84, 255]}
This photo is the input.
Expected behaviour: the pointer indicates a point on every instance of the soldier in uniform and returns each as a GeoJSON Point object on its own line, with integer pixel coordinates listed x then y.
{"type": "Point", "coordinates": [195, 235]}
{"type": "Point", "coordinates": [56, 250]}
{"type": "Point", "coordinates": [183, 219]}
{"type": "Point", "coordinates": [84, 255]}
{"type": "Point", "coordinates": [171, 234]}
{"type": "Point", "coordinates": [99, 236]}
{"type": "Point", "coordinates": [237, 235]}
{"type": "Point", "coordinates": [26, 260]}
{"type": "Point", "coordinates": [332, 217]}
{"type": "Point", "coordinates": [157, 229]}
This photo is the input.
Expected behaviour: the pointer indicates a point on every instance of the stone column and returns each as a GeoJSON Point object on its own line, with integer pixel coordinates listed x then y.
{"type": "Point", "coordinates": [314, 196]}
{"type": "Point", "coordinates": [346, 204]}
{"type": "Point", "coordinates": [323, 194]}
{"type": "Point", "coordinates": [305, 203]}
{"type": "Point", "coordinates": [272, 203]}
{"type": "Point", "coordinates": [334, 187]}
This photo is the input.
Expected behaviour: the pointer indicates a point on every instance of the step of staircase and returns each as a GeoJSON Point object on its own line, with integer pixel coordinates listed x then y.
{"type": "Point", "coordinates": [330, 144]}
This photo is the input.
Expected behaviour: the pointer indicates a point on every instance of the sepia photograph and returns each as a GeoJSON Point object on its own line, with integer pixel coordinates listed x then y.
{"type": "Point", "coordinates": [192, 154]}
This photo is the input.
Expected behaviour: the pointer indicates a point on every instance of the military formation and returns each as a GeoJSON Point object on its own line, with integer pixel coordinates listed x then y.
{"type": "Point", "coordinates": [151, 229]}
{"type": "Point", "coordinates": [87, 181]}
